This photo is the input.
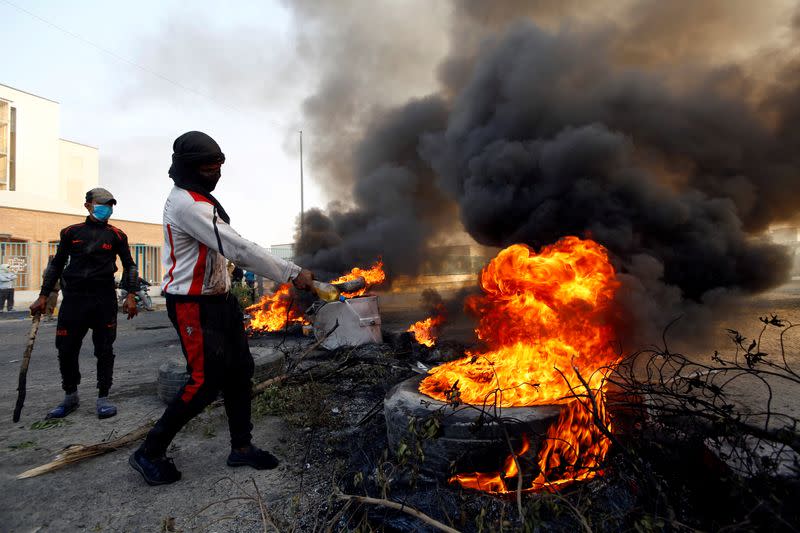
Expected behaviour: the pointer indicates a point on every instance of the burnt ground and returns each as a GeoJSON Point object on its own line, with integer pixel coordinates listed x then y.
{"type": "Point", "coordinates": [325, 423]}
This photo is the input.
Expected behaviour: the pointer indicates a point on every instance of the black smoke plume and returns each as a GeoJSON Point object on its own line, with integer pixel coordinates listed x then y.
{"type": "Point", "coordinates": [399, 204]}
{"type": "Point", "coordinates": [674, 162]}
{"type": "Point", "coordinates": [546, 140]}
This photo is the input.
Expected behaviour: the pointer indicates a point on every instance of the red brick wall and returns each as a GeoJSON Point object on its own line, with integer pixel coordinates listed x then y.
{"type": "Point", "coordinates": [42, 226]}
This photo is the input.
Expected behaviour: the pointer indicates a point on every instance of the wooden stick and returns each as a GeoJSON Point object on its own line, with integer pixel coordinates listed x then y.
{"type": "Point", "coordinates": [79, 452]}
{"type": "Point", "coordinates": [397, 506]}
{"type": "Point", "coordinates": [23, 369]}
{"type": "Point", "coordinates": [267, 382]}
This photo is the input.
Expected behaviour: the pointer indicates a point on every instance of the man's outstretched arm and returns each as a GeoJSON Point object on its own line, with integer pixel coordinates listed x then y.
{"type": "Point", "coordinates": [198, 220]}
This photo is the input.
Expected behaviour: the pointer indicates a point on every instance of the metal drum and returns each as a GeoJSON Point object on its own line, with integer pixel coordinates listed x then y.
{"type": "Point", "coordinates": [359, 322]}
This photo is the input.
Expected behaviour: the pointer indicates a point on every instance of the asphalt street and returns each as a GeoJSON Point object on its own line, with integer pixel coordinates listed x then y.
{"type": "Point", "coordinates": [104, 493]}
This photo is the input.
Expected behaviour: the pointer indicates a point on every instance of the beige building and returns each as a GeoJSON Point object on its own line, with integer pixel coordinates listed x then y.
{"type": "Point", "coordinates": [43, 182]}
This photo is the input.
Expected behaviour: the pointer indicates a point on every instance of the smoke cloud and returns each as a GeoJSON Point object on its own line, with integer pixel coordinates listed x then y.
{"type": "Point", "coordinates": [546, 141]}
{"type": "Point", "coordinates": [646, 131]}
{"type": "Point", "coordinates": [399, 203]}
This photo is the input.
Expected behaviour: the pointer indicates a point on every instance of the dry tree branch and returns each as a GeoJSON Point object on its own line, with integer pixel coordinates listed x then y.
{"type": "Point", "coordinates": [214, 522]}
{"type": "Point", "coordinates": [593, 409]}
{"type": "Point", "coordinates": [693, 398]}
{"type": "Point", "coordinates": [783, 349]}
{"type": "Point", "coordinates": [217, 502]}
{"type": "Point", "coordinates": [338, 516]}
{"type": "Point", "coordinates": [79, 452]}
{"type": "Point", "coordinates": [397, 506]}
{"type": "Point", "coordinates": [266, 520]}
{"type": "Point", "coordinates": [515, 458]}
{"type": "Point", "coordinates": [519, 487]}
{"type": "Point", "coordinates": [596, 413]}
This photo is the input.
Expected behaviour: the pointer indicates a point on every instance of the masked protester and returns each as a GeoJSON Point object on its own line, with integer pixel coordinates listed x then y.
{"type": "Point", "coordinates": [89, 298]}
{"type": "Point", "coordinates": [198, 242]}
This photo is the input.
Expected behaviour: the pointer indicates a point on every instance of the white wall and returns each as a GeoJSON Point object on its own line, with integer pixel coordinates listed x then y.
{"type": "Point", "coordinates": [79, 171]}
{"type": "Point", "coordinates": [52, 174]}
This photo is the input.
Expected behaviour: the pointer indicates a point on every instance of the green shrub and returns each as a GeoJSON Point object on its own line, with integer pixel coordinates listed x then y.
{"type": "Point", "coordinates": [243, 294]}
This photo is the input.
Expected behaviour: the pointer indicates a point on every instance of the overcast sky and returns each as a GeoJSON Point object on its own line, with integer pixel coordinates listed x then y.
{"type": "Point", "coordinates": [132, 114]}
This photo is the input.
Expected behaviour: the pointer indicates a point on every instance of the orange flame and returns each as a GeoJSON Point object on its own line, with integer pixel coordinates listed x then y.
{"type": "Point", "coordinates": [274, 312]}
{"type": "Point", "coordinates": [541, 314]}
{"type": "Point", "coordinates": [574, 447]}
{"type": "Point", "coordinates": [427, 331]}
{"type": "Point", "coordinates": [494, 481]}
{"type": "Point", "coordinates": [373, 276]}
{"type": "Point", "coordinates": [572, 450]}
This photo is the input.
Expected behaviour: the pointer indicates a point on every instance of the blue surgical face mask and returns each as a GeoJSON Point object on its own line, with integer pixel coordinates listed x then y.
{"type": "Point", "coordinates": [102, 212]}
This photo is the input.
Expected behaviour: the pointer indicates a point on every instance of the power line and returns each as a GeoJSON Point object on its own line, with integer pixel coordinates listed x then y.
{"type": "Point", "coordinates": [131, 63]}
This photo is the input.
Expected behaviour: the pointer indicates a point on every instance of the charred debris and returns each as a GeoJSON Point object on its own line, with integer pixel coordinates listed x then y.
{"type": "Point", "coordinates": [684, 454]}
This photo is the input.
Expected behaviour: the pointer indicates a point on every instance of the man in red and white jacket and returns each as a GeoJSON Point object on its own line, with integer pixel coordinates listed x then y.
{"type": "Point", "coordinates": [198, 242]}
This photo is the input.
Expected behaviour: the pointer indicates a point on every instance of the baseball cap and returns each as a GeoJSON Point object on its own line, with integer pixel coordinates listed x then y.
{"type": "Point", "coordinates": [100, 195]}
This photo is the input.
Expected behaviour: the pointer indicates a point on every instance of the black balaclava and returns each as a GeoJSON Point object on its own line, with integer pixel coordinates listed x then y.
{"type": "Point", "coordinates": [190, 150]}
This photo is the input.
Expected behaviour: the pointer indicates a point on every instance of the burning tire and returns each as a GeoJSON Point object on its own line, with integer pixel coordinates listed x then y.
{"type": "Point", "coordinates": [466, 440]}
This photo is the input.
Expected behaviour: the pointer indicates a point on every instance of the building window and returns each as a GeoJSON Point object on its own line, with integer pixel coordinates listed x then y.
{"type": "Point", "coordinates": [8, 148]}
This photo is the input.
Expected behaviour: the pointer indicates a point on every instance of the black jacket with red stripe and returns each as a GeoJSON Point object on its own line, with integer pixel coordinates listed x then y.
{"type": "Point", "coordinates": [92, 248]}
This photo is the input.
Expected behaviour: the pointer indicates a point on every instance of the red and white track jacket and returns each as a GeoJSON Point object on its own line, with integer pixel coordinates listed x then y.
{"type": "Point", "coordinates": [192, 258]}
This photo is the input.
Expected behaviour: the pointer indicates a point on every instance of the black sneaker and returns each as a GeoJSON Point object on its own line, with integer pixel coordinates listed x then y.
{"type": "Point", "coordinates": [158, 471]}
{"type": "Point", "coordinates": [252, 456]}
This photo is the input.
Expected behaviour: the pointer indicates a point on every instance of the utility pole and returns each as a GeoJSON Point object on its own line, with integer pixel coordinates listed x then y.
{"type": "Point", "coordinates": [302, 210]}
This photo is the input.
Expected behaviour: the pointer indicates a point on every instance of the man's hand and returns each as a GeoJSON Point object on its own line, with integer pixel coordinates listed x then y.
{"type": "Point", "coordinates": [129, 306]}
{"type": "Point", "coordinates": [38, 307]}
{"type": "Point", "coordinates": [304, 280]}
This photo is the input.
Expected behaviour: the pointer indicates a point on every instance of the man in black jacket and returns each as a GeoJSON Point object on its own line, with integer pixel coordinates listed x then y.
{"type": "Point", "coordinates": [89, 298]}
